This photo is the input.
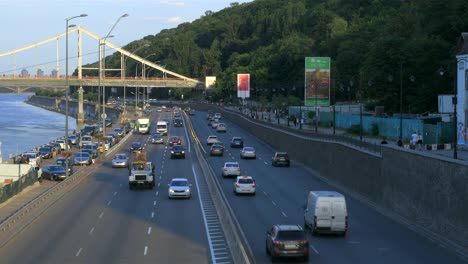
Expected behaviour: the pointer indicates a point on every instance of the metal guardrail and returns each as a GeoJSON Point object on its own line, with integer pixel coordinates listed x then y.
{"type": "Point", "coordinates": [341, 139]}
{"type": "Point", "coordinates": [11, 189]}
{"type": "Point", "coordinates": [235, 238]}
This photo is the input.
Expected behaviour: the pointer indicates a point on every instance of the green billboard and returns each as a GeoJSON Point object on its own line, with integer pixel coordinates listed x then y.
{"type": "Point", "coordinates": [317, 81]}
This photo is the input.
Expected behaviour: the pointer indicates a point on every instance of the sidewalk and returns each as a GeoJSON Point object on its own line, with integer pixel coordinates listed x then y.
{"type": "Point", "coordinates": [462, 151]}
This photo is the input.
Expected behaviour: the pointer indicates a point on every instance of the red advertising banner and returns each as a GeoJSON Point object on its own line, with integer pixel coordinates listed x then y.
{"type": "Point", "coordinates": [243, 85]}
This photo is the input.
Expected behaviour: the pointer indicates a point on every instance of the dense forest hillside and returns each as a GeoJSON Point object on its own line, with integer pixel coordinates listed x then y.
{"type": "Point", "coordinates": [374, 44]}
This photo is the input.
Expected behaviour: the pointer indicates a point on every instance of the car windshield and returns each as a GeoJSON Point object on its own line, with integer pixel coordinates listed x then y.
{"type": "Point", "coordinates": [232, 165]}
{"type": "Point", "coordinates": [90, 147]}
{"type": "Point", "coordinates": [282, 155]}
{"type": "Point", "coordinates": [249, 149]}
{"type": "Point", "coordinates": [82, 154]}
{"type": "Point", "coordinates": [44, 149]}
{"type": "Point", "coordinates": [179, 183]}
{"type": "Point", "coordinates": [30, 155]}
{"type": "Point", "coordinates": [157, 136]}
{"type": "Point", "coordinates": [246, 181]}
{"type": "Point", "coordinates": [120, 157]}
{"type": "Point", "coordinates": [55, 168]}
{"type": "Point", "coordinates": [291, 235]}
{"type": "Point", "coordinates": [136, 144]}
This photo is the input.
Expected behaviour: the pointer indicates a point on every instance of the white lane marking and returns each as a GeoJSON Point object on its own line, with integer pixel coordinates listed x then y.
{"type": "Point", "coordinates": [265, 193]}
{"type": "Point", "coordinates": [79, 252]}
{"type": "Point", "coordinates": [159, 184]}
{"type": "Point", "coordinates": [149, 230]}
{"type": "Point", "coordinates": [203, 214]}
{"type": "Point", "coordinates": [314, 249]}
{"type": "Point", "coordinates": [146, 250]}
{"type": "Point", "coordinates": [101, 215]}
{"type": "Point", "coordinates": [265, 163]}
{"type": "Point", "coordinates": [152, 214]}
{"type": "Point", "coordinates": [273, 202]}
{"type": "Point", "coordinates": [115, 193]}
{"type": "Point", "coordinates": [157, 192]}
{"type": "Point", "coordinates": [120, 185]}
{"type": "Point", "coordinates": [91, 231]}
{"type": "Point", "coordinates": [354, 242]}
{"type": "Point", "coordinates": [154, 203]}
{"type": "Point", "coordinates": [109, 203]}
{"type": "Point", "coordinates": [160, 177]}
{"type": "Point", "coordinates": [284, 214]}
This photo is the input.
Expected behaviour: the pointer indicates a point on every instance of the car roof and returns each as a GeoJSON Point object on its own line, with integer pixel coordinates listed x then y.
{"type": "Point", "coordinates": [281, 152]}
{"type": "Point", "coordinates": [289, 227]}
{"type": "Point", "coordinates": [231, 162]}
{"type": "Point", "coordinates": [212, 136]}
{"type": "Point", "coordinates": [244, 177]}
{"type": "Point", "coordinates": [179, 179]}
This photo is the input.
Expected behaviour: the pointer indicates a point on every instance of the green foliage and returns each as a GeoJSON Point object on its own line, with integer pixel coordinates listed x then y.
{"type": "Point", "coordinates": [49, 93]}
{"type": "Point", "coordinates": [368, 41]}
{"type": "Point", "coordinates": [354, 130]}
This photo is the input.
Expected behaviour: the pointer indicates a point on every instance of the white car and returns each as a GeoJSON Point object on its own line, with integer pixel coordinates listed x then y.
{"type": "Point", "coordinates": [221, 127]}
{"type": "Point", "coordinates": [179, 188]}
{"type": "Point", "coordinates": [231, 168]}
{"type": "Point", "coordinates": [212, 139]}
{"type": "Point", "coordinates": [248, 153]}
{"type": "Point", "coordinates": [244, 184]}
{"type": "Point", "coordinates": [120, 160]}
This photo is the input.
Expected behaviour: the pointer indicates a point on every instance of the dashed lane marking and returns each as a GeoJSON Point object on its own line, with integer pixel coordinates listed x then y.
{"type": "Point", "coordinates": [91, 231]}
{"type": "Point", "coordinates": [149, 230]}
{"type": "Point", "coordinates": [146, 250]}
{"type": "Point", "coordinates": [79, 252]}
{"type": "Point", "coordinates": [284, 214]}
{"type": "Point", "coordinates": [314, 249]}
{"type": "Point", "coordinates": [152, 214]}
{"type": "Point", "coordinates": [101, 215]}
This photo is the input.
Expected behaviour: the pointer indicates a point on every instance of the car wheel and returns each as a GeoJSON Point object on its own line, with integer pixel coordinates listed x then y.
{"type": "Point", "coordinates": [254, 193]}
{"type": "Point", "coordinates": [305, 225]}
{"type": "Point", "coordinates": [130, 186]}
{"type": "Point", "coordinates": [267, 250]}
{"type": "Point", "coordinates": [306, 258]}
{"type": "Point", "coordinates": [235, 192]}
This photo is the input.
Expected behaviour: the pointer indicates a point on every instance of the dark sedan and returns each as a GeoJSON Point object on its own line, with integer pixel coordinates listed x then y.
{"type": "Point", "coordinates": [62, 161]}
{"type": "Point", "coordinates": [53, 172]}
{"type": "Point", "coordinates": [136, 147]}
{"type": "Point", "coordinates": [177, 152]}
{"type": "Point", "coordinates": [178, 122]}
{"type": "Point", "coordinates": [92, 149]}
{"type": "Point", "coordinates": [45, 152]}
{"type": "Point", "coordinates": [237, 142]}
{"type": "Point", "coordinates": [216, 150]}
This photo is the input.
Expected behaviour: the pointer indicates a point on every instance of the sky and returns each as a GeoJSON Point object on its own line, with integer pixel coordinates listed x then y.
{"type": "Point", "coordinates": [25, 22]}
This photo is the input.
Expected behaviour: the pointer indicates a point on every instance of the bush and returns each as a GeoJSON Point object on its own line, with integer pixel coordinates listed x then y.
{"type": "Point", "coordinates": [374, 129]}
{"type": "Point", "coordinates": [354, 129]}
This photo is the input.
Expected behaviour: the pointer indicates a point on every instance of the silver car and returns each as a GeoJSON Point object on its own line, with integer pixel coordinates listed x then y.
{"type": "Point", "coordinates": [221, 127]}
{"type": "Point", "coordinates": [211, 140]}
{"type": "Point", "coordinates": [120, 160]}
{"type": "Point", "coordinates": [248, 153]}
{"type": "Point", "coordinates": [179, 188]}
{"type": "Point", "coordinates": [231, 168]}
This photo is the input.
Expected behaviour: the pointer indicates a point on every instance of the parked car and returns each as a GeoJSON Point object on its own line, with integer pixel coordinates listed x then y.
{"type": "Point", "coordinates": [216, 150]}
{"type": "Point", "coordinates": [33, 158]}
{"type": "Point", "coordinates": [179, 188]}
{"type": "Point", "coordinates": [237, 142]}
{"type": "Point", "coordinates": [248, 152]}
{"type": "Point", "coordinates": [62, 161]}
{"type": "Point", "coordinates": [136, 147]}
{"type": "Point", "coordinates": [280, 158]}
{"type": "Point", "coordinates": [92, 149]}
{"type": "Point", "coordinates": [53, 172]}
{"type": "Point", "coordinates": [244, 184]}
{"type": "Point", "coordinates": [62, 144]}
{"type": "Point", "coordinates": [177, 151]}
{"type": "Point", "coordinates": [74, 139]}
{"type": "Point", "coordinates": [45, 152]}
{"type": "Point", "coordinates": [287, 241]}
{"type": "Point", "coordinates": [85, 140]}
{"type": "Point", "coordinates": [157, 139]}
{"type": "Point", "coordinates": [231, 168]}
{"type": "Point", "coordinates": [120, 160]}
{"type": "Point", "coordinates": [82, 158]}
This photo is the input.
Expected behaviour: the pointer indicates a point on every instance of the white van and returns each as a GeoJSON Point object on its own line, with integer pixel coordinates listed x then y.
{"type": "Point", "coordinates": [161, 128]}
{"type": "Point", "coordinates": [326, 212]}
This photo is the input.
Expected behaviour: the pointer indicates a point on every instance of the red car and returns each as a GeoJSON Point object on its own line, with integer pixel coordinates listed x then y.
{"type": "Point", "coordinates": [175, 141]}
{"type": "Point", "coordinates": [168, 109]}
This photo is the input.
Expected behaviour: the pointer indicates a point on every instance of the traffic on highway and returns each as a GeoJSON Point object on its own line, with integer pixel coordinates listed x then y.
{"type": "Point", "coordinates": [164, 212]}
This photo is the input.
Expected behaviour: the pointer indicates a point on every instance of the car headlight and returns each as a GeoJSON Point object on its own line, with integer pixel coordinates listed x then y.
{"type": "Point", "coordinates": [172, 152]}
{"type": "Point", "coordinates": [187, 190]}
{"type": "Point", "coordinates": [183, 152]}
{"type": "Point", "coordinates": [171, 191]}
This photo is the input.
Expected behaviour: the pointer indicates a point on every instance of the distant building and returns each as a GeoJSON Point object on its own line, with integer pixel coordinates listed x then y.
{"type": "Point", "coordinates": [54, 73]}
{"type": "Point", "coordinates": [40, 72]}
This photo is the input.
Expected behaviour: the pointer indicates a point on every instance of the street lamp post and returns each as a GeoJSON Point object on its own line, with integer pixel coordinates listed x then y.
{"type": "Point", "coordinates": [100, 77]}
{"type": "Point", "coordinates": [67, 88]}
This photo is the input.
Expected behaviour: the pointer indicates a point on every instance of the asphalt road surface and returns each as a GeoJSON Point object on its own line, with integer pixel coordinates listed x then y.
{"type": "Point", "coordinates": [102, 221]}
{"type": "Point", "coordinates": [281, 196]}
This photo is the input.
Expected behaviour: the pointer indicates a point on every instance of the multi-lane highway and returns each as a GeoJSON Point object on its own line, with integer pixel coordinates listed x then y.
{"type": "Point", "coordinates": [102, 221]}
{"type": "Point", "coordinates": [281, 195]}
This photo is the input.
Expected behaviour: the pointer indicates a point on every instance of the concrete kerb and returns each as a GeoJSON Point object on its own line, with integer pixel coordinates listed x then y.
{"type": "Point", "coordinates": [237, 242]}
{"type": "Point", "coordinates": [40, 204]}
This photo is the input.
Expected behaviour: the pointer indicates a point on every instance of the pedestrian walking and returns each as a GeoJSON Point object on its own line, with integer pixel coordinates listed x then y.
{"type": "Point", "coordinates": [414, 139]}
{"type": "Point", "coordinates": [39, 174]}
{"type": "Point", "coordinates": [419, 142]}
{"type": "Point", "coordinates": [295, 122]}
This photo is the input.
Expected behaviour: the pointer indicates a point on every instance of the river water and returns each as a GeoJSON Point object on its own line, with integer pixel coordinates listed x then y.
{"type": "Point", "coordinates": [23, 126]}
